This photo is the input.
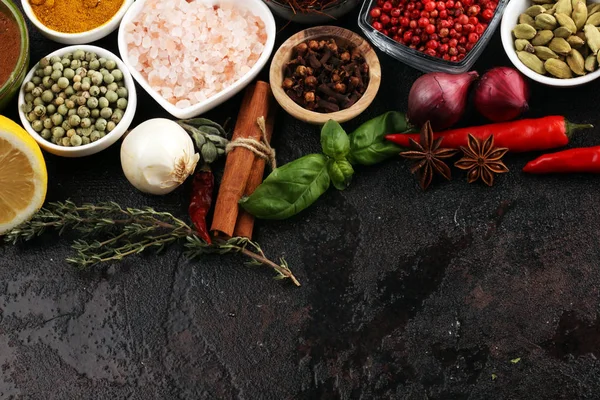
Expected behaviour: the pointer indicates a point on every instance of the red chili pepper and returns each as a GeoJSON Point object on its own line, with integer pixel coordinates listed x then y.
{"type": "Point", "coordinates": [568, 161]}
{"type": "Point", "coordinates": [518, 136]}
{"type": "Point", "coordinates": [202, 194]}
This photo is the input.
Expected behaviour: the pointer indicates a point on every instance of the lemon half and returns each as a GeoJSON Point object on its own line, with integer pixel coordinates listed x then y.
{"type": "Point", "coordinates": [23, 175]}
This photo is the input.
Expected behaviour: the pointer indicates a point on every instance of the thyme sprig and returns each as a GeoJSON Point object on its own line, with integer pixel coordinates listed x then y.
{"type": "Point", "coordinates": [119, 232]}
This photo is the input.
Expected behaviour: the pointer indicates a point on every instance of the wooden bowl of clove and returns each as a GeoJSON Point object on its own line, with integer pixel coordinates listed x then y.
{"type": "Point", "coordinates": [324, 73]}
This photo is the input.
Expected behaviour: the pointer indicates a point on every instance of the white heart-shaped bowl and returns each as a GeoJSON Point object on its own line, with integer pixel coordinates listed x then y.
{"type": "Point", "coordinates": [509, 21]}
{"type": "Point", "coordinates": [257, 7]}
{"type": "Point", "coordinates": [106, 141]}
{"type": "Point", "coordinates": [77, 38]}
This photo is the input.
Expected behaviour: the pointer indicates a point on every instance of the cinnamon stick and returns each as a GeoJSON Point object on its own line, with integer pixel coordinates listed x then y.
{"type": "Point", "coordinates": [245, 222]}
{"type": "Point", "coordinates": [256, 103]}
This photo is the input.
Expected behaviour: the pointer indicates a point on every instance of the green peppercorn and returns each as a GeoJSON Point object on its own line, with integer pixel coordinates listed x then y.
{"type": "Point", "coordinates": [94, 64]}
{"type": "Point", "coordinates": [29, 98]}
{"type": "Point", "coordinates": [85, 86]}
{"type": "Point", "coordinates": [75, 64]}
{"type": "Point", "coordinates": [70, 91]}
{"type": "Point", "coordinates": [62, 82]}
{"type": "Point", "coordinates": [111, 96]}
{"type": "Point", "coordinates": [69, 73]}
{"type": "Point", "coordinates": [90, 73]}
{"type": "Point", "coordinates": [76, 86]}
{"type": "Point", "coordinates": [39, 111]}
{"type": "Point", "coordinates": [117, 116]}
{"type": "Point", "coordinates": [37, 92]}
{"type": "Point", "coordinates": [79, 55]}
{"type": "Point", "coordinates": [48, 123]}
{"type": "Point", "coordinates": [108, 78]}
{"type": "Point", "coordinates": [97, 78]}
{"type": "Point", "coordinates": [83, 112]}
{"type": "Point", "coordinates": [86, 131]}
{"type": "Point", "coordinates": [74, 97]}
{"type": "Point", "coordinates": [39, 72]}
{"type": "Point", "coordinates": [122, 104]}
{"type": "Point", "coordinates": [66, 142]}
{"type": "Point", "coordinates": [74, 120]}
{"type": "Point", "coordinates": [95, 135]}
{"type": "Point", "coordinates": [110, 64]}
{"type": "Point", "coordinates": [82, 72]}
{"type": "Point", "coordinates": [103, 71]}
{"type": "Point", "coordinates": [36, 80]}
{"type": "Point", "coordinates": [50, 109]}
{"type": "Point", "coordinates": [85, 122]}
{"type": "Point", "coordinates": [112, 86]}
{"type": "Point", "coordinates": [44, 62]}
{"type": "Point", "coordinates": [106, 112]}
{"type": "Point", "coordinates": [85, 140]}
{"type": "Point", "coordinates": [100, 124]}
{"type": "Point", "coordinates": [110, 125]}
{"type": "Point", "coordinates": [95, 113]}
{"type": "Point", "coordinates": [103, 102]}
{"type": "Point", "coordinates": [76, 140]}
{"type": "Point", "coordinates": [102, 134]}
{"type": "Point", "coordinates": [88, 56]}
{"type": "Point", "coordinates": [87, 80]}
{"type": "Point", "coordinates": [92, 102]}
{"type": "Point", "coordinates": [28, 87]}
{"type": "Point", "coordinates": [77, 79]}
{"type": "Point", "coordinates": [62, 110]}
{"type": "Point", "coordinates": [55, 75]}
{"type": "Point", "coordinates": [71, 132]}
{"type": "Point", "coordinates": [65, 62]}
{"type": "Point", "coordinates": [37, 125]}
{"type": "Point", "coordinates": [57, 66]}
{"type": "Point", "coordinates": [94, 91]}
{"type": "Point", "coordinates": [117, 74]}
{"type": "Point", "coordinates": [65, 125]}
{"type": "Point", "coordinates": [57, 119]}
{"type": "Point", "coordinates": [59, 100]}
{"type": "Point", "coordinates": [102, 61]}
{"type": "Point", "coordinates": [70, 104]}
{"type": "Point", "coordinates": [103, 90]}
{"type": "Point", "coordinates": [81, 100]}
{"type": "Point", "coordinates": [58, 132]}
{"type": "Point", "coordinates": [27, 107]}
{"type": "Point", "coordinates": [55, 88]}
{"type": "Point", "coordinates": [47, 82]}
{"type": "Point", "coordinates": [72, 111]}
{"type": "Point", "coordinates": [31, 116]}
{"type": "Point", "coordinates": [46, 134]}
{"type": "Point", "coordinates": [38, 101]}
{"type": "Point", "coordinates": [48, 70]}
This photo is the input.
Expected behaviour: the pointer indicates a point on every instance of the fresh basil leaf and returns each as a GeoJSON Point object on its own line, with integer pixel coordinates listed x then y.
{"type": "Point", "coordinates": [368, 145]}
{"type": "Point", "coordinates": [341, 172]}
{"type": "Point", "coordinates": [334, 140]}
{"type": "Point", "coordinates": [289, 189]}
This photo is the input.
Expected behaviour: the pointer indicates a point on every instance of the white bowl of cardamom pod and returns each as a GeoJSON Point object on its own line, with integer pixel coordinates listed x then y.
{"type": "Point", "coordinates": [567, 52]}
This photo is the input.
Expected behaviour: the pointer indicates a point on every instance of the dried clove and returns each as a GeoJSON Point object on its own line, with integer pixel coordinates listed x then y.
{"type": "Point", "coordinates": [325, 75]}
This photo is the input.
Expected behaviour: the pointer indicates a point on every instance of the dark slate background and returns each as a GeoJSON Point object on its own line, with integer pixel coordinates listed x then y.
{"type": "Point", "coordinates": [406, 295]}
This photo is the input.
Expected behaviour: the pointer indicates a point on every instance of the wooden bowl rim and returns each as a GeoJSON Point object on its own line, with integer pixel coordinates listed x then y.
{"type": "Point", "coordinates": [283, 55]}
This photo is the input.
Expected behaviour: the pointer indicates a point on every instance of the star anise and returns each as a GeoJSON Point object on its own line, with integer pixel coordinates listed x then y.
{"type": "Point", "coordinates": [428, 157]}
{"type": "Point", "coordinates": [482, 160]}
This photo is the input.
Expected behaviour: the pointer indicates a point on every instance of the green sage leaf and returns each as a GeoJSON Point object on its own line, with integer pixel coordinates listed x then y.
{"type": "Point", "coordinates": [290, 188]}
{"type": "Point", "coordinates": [334, 140]}
{"type": "Point", "coordinates": [340, 172]}
{"type": "Point", "coordinates": [368, 145]}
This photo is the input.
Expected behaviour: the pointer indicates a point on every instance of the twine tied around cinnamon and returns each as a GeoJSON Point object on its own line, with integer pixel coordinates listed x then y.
{"type": "Point", "coordinates": [261, 149]}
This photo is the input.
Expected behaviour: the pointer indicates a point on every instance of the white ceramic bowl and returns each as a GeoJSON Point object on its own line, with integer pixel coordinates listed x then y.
{"type": "Point", "coordinates": [257, 7]}
{"type": "Point", "coordinates": [509, 21]}
{"type": "Point", "coordinates": [110, 137]}
{"type": "Point", "coordinates": [77, 38]}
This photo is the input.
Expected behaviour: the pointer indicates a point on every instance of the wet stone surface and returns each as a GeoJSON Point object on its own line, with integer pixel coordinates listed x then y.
{"type": "Point", "coordinates": [406, 295]}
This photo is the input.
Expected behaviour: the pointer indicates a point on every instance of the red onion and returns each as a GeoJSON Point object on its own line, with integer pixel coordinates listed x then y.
{"type": "Point", "coordinates": [502, 94]}
{"type": "Point", "coordinates": [439, 98]}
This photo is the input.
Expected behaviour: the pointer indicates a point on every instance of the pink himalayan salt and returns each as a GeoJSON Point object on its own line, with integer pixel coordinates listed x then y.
{"type": "Point", "coordinates": [189, 52]}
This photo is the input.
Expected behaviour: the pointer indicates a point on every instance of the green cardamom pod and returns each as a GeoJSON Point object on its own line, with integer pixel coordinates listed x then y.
{"type": "Point", "coordinates": [593, 8]}
{"type": "Point", "coordinates": [545, 21]}
{"type": "Point", "coordinates": [209, 130]}
{"type": "Point", "coordinates": [220, 151]}
{"type": "Point", "coordinates": [523, 45]}
{"type": "Point", "coordinates": [534, 11]}
{"type": "Point", "coordinates": [524, 31]}
{"type": "Point", "coordinates": [209, 152]}
{"type": "Point", "coordinates": [551, 11]}
{"type": "Point", "coordinates": [576, 62]}
{"type": "Point", "coordinates": [542, 38]}
{"type": "Point", "coordinates": [580, 15]}
{"type": "Point", "coordinates": [549, 6]}
{"type": "Point", "coordinates": [564, 7]}
{"type": "Point", "coordinates": [526, 19]}
{"type": "Point", "coordinates": [558, 68]}
{"type": "Point", "coordinates": [562, 32]}
{"type": "Point", "coordinates": [592, 37]}
{"type": "Point", "coordinates": [532, 62]}
{"type": "Point", "coordinates": [591, 63]}
{"type": "Point", "coordinates": [575, 41]}
{"type": "Point", "coordinates": [560, 46]}
{"type": "Point", "coordinates": [218, 140]}
{"type": "Point", "coordinates": [199, 139]}
{"type": "Point", "coordinates": [566, 21]}
{"type": "Point", "coordinates": [594, 19]}
{"type": "Point", "coordinates": [544, 53]}
{"type": "Point", "coordinates": [575, 2]}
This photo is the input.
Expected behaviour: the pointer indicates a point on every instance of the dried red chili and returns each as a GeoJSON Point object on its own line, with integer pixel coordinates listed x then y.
{"type": "Point", "coordinates": [202, 195]}
{"type": "Point", "coordinates": [586, 160]}
{"type": "Point", "coordinates": [518, 136]}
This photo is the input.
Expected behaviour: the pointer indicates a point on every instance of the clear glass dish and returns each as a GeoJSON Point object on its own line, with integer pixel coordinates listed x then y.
{"type": "Point", "coordinates": [422, 61]}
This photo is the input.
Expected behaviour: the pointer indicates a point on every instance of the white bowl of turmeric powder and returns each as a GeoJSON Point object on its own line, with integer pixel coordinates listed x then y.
{"type": "Point", "coordinates": [76, 21]}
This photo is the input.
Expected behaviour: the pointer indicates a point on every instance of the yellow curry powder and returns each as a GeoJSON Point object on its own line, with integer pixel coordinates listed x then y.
{"type": "Point", "coordinates": [74, 16]}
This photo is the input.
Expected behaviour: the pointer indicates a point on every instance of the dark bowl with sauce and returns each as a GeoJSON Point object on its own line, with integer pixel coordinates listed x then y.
{"type": "Point", "coordinates": [11, 78]}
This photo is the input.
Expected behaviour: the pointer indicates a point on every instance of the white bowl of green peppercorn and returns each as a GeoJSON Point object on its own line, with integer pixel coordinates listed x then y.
{"type": "Point", "coordinates": [96, 124]}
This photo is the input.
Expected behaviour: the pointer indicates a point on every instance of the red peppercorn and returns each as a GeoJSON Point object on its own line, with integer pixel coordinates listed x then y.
{"type": "Point", "coordinates": [462, 40]}
{"type": "Point", "coordinates": [468, 28]}
{"type": "Point", "coordinates": [443, 49]}
{"type": "Point", "coordinates": [430, 28]}
{"type": "Point", "coordinates": [453, 33]}
{"type": "Point", "coordinates": [453, 43]}
{"type": "Point", "coordinates": [424, 14]}
{"type": "Point", "coordinates": [473, 10]}
{"type": "Point", "coordinates": [479, 29]}
{"type": "Point", "coordinates": [412, 24]}
{"type": "Point", "coordinates": [376, 12]}
{"type": "Point", "coordinates": [434, 14]}
{"type": "Point", "coordinates": [450, 4]}
{"type": "Point", "coordinates": [461, 50]}
{"type": "Point", "coordinates": [445, 24]}
{"type": "Point", "coordinates": [469, 46]}
{"type": "Point", "coordinates": [434, 36]}
{"type": "Point", "coordinates": [432, 44]}
{"type": "Point", "coordinates": [458, 27]}
{"type": "Point", "coordinates": [453, 51]}
{"type": "Point", "coordinates": [393, 30]}
{"type": "Point", "coordinates": [473, 38]}
{"type": "Point", "coordinates": [404, 21]}
{"type": "Point", "coordinates": [424, 37]}
{"type": "Point", "coordinates": [460, 57]}
{"type": "Point", "coordinates": [487, 14]}
{"type": "Point", "coordinates": [444, 32]}
{"type": "Point", "coordinates": [430, 6]}
{"type": "Point", "coordinates": [407, 36]}
{"type": "Point", "coordinates": [431, 52]}
{"type": "Point", "coordinates": [410, 6]}
{"type": "Point", "coordinates": [423, 22]}
{"type": "Point", "coordinates": [378, 26]}
{"type": "Point", "coordinates": [446, 57]}
{"type": "Point", "coordinates": [387, 6]}
{"type": "Point", "coordinates": [473, 20]}
{"type": "Point", "coordinates": [453, 58]}
{"type": "Point", "coordinates": [396, 12]}
{"type": "Point", "coordinates": [463, 19]}
{"type": "Point", "coordinates": [386, 32]}
{"type": "Point", "coordinates": [443, 14]}
{"type": "Point", "coordinates": [384, 19]}
{"type": "Point", "coordinates": [394, 21]}
{"type": "Point", "coordinates": [415, 14]}
{"type": "Point", "coordinates": [415, 40]}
